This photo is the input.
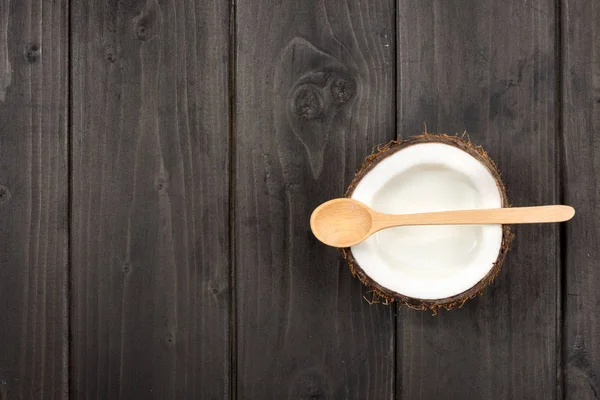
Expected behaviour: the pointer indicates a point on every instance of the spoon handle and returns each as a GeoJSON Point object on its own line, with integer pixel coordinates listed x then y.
{"type": "Point", "coordinates": [516, 215]}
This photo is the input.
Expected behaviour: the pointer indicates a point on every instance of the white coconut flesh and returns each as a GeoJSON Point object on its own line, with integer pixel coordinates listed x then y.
{"type": "Point", "coordinates": [429, 262]}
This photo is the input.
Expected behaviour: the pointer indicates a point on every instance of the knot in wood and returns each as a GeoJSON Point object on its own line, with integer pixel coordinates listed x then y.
{"type": "Point", "coordinates": [214, 288]}
{"type": "Point", "coordinates": [4, 194]}
{"type": "Point", "coordinates": [110, 55]}
{"type": "Point", "coordinates": [160, 184]}
{"type": "Point", "coordinates": [342, 90]}
{"type": "Point", "coordinates": [307, 103]}
{"type": "Point", "coordinates": [170, 339]}
{"type": "Point", "coordinates": [32, 53]}
{"type": "Point", "coordinates": [142, 31]}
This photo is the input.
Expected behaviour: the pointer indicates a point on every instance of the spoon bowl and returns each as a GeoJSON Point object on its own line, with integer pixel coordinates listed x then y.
{"type": "Point", "coordinates": [331, 220]}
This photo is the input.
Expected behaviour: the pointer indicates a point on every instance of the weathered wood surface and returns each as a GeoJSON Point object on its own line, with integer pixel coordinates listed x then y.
{"type": "Point", "coordinates": [315, 93]}
{"type": "Point", "coordinates": [581, 184]}
{"type": "Point", "coordinates": [33, 199]}
{"type": "Point", "coordinates": [150, 290]}
{"type": "Point", "coordinates": [200, 136]}
{"type": "Point", "coordinates": [488, 68]}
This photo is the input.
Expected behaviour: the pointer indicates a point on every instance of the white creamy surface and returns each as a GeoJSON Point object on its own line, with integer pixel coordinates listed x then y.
{"type": "Point", "coordinates": [429, 262]}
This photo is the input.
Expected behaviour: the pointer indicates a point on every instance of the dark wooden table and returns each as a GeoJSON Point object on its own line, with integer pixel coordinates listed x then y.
{"type": "Point", "coordinates": [159, 161]}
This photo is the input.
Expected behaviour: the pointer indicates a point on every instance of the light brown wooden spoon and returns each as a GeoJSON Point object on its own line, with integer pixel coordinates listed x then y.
{"type": "Point", "coordinates": [346, 222]}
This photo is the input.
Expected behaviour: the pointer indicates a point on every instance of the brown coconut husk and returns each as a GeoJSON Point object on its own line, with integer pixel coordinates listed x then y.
{"type": "Point", "coordinates": [389, 296]}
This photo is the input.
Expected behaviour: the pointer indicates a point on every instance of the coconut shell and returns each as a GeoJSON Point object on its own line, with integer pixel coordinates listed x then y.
{"type": "Point", "coordinates": [423, 304]}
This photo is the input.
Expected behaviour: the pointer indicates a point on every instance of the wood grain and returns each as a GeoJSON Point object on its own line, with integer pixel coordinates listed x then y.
{"type": "Point", "coordinates": [33, 199]}
{"type": "Point", "coordinates": [487, 68]}
{"type": "Point", "coordinates": [581, 187]}
{"type": "Point", "coordinates": [315, 93]}
{"type": "Point", "coordinates": [316, 85]}
{"type": "Point", "coordinates": [151, 300]}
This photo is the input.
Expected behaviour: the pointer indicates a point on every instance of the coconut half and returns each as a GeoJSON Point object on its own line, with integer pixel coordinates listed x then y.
{"type": "Point", "coordinates": [427, 267]}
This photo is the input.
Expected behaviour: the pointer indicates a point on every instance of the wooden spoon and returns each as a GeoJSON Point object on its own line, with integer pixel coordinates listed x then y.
{"type": "Point", "coordinates": [346, 222]}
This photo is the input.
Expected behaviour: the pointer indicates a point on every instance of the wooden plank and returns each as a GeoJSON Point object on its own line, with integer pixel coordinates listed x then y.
{"type": "Point", "coordinates": [488, 68]}
{"type": "Point", "coordinates": [315, 93]}
{"type": "Point", "coordinates": [581, 187]}
{"type": "Point", "coordinates": [33, 199]}
{"type": "Point", "coordinates": [151, 300]}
